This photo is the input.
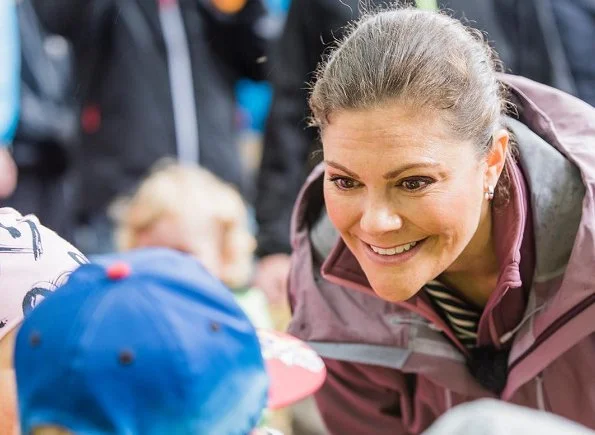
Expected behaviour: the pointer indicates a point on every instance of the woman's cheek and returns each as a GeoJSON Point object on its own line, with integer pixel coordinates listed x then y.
{"type": "Point", "coordinates": [341, 210]}
{"type": "Point", "coordinates": [454, 218]}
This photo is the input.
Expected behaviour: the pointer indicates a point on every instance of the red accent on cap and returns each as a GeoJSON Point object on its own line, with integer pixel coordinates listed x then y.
{"type": "Point", "coordinates": [118, 271]}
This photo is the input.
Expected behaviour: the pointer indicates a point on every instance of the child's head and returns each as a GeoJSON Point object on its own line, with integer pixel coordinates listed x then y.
{"type": "Point", "coordinates": [34, 261]}
{"type": "Point", "coordinates": [187, 208]}
{"type": "Point", "coordinates": [148, 342]}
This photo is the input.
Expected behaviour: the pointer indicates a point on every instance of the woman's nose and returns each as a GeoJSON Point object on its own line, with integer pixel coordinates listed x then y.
{"type": "Point", "coordinates": [380, 218]}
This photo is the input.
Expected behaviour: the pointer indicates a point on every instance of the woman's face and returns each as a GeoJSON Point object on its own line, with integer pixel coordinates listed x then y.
{"type": "Point", "coordinates": [406, 195]}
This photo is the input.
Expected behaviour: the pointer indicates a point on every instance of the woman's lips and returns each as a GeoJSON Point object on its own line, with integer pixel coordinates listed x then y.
{"type": "Point", "coordinates": [394, 255]}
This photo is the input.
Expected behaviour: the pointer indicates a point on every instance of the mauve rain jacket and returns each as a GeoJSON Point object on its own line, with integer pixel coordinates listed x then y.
{"type": "Point", "coordinates": [391, 368]}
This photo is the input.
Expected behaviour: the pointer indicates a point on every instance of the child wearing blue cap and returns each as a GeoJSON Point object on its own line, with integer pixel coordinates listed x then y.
{"type": "Point", "coordinates": [149, 343]}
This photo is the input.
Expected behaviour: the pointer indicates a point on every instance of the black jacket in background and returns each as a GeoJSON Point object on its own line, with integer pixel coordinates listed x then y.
{"type": "Point", "coordinates": [127, 80]}
{"type": "Point", "coordinates": [549, 41]}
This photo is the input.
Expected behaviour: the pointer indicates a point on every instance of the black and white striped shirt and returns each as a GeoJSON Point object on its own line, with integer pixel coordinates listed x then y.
{"type": "Point", "coordinates": [462, 316]}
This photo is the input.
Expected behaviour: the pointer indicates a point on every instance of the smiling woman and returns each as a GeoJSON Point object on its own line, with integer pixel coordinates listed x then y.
{"type": "Point", "coordinates": [449, 275]}
{"type": "Point", "coordinates": [411, 155]}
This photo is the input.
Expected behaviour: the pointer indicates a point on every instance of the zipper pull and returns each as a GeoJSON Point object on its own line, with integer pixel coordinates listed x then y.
{"type": "Point", "coordinates": [507, 336]}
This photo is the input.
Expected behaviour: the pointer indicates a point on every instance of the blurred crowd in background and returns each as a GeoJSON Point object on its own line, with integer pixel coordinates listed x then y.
{"type": "Point", "coordinates": [111, 87]}
{"type": "Point", "coordinates": [106, 93]}
{"type": "Point", "coordinates": [117, 92]}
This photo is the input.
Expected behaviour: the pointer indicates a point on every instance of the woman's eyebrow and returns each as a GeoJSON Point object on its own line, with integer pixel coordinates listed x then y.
{"type": "Point", "coordinates": [389, 175]}
{"type": "Point", "coordinates": [341, 168]}
{"type": "Point", "coordinates": [414, 165]}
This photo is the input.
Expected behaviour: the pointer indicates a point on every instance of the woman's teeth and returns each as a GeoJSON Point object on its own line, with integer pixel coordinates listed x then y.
{"type": "Point", "coordinates": [392, 251]}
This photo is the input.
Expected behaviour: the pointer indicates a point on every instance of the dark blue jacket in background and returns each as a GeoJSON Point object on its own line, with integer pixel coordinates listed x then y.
{"type": "Point", "coordinates": [124, 85]}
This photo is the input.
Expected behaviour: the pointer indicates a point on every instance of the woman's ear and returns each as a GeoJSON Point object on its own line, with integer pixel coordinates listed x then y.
{"type": "Point", "coordinates": [496, 158]}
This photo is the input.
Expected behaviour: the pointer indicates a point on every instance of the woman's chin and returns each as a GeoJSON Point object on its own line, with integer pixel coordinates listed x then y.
{"type": "Point", "coordinates": [390, 293]}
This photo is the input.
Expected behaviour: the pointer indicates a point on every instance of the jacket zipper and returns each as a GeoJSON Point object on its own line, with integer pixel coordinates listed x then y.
{"type": "Point", "coordinates": [557, 324]}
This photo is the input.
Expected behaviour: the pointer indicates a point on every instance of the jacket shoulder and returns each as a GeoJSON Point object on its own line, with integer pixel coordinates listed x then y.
{"type": "Point", "coordinates": [562, 119]}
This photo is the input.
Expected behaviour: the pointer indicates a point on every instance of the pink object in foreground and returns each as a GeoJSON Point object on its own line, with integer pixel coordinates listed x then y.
{"type": "Point", "coordinates": [297, 369]}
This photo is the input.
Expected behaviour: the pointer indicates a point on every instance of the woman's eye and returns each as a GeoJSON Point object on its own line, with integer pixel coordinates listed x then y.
{"type": "Point", "coordinates": [415, 184]}
{"type": "Point", "coordinates": [344, 183]}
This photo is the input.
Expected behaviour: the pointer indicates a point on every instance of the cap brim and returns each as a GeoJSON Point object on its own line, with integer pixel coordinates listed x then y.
{"type": "Point", "coordinates": [294, 369]}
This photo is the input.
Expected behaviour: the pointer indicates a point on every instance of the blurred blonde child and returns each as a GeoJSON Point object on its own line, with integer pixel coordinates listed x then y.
{"type": "Point", "coordinates": [187, 208]}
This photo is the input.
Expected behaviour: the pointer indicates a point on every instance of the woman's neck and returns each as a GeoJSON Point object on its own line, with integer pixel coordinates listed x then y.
{"type": "Point", "coordinates": [475, 273]}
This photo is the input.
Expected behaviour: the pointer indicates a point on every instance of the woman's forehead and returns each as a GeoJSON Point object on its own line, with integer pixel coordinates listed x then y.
{"type": "Point", "coordinates": [388, 124]}
{"type": "Point", "coordinates": [384, 139]}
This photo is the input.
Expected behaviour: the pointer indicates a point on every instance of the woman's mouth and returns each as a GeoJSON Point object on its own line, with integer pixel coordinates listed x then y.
{"type": "Point", "coordinates": [394, 250]}
{"type": "Point", "coordinates": [394, 254]}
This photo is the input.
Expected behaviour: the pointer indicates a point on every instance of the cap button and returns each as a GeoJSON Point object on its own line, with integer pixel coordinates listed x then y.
{"type": "Point", "coordinates": [118, 271]}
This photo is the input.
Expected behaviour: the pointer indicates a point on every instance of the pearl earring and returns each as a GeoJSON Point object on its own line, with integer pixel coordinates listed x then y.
{"type": "Point", "coordinates": [489, 193]}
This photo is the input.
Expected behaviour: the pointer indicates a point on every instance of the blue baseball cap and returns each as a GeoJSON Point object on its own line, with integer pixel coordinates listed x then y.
{"type": "Point", "coordinates": [148, 342]}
